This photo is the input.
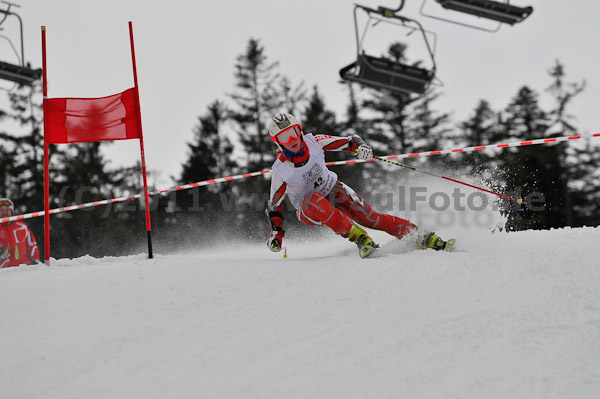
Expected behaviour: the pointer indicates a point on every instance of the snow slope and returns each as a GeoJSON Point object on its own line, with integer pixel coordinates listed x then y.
{"type": "Point", "coordinates": [509, 316]}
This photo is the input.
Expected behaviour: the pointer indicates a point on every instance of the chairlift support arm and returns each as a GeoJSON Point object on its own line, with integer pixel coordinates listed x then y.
{"type": "Point", "coordinates": [393, 11]}
{"type": "Point", "coordinates": [19, 74]}
{"type": "Point", "coordinates": [389, 13]}
{"type": "Point", "coordinates": [6, 13]}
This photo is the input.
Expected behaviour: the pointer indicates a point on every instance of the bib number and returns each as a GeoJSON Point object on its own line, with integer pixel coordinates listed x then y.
{"type": "Point", "coordinates": [318, 182]}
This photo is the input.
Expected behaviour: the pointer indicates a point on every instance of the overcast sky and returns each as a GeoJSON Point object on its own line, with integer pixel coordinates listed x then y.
{"type": "Point", "coordinates": [186, 52]}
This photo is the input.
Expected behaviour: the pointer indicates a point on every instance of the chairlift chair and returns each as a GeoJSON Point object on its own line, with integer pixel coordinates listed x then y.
{"type": "Point", "coordinates": [383, 73]}
{"type": "Point", "coordinates": [19, 74]}
{"type": "Point", "coordinates": [493, 10]}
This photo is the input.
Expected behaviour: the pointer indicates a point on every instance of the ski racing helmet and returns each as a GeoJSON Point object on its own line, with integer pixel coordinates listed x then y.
{"type": "Point", "coordinates": [283, 127]}
{"type": "Point", "coordinates": [5, 202]}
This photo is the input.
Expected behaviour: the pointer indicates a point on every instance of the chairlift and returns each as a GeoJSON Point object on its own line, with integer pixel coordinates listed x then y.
{"type": "Point", "coordinates": [382, 73]}
{"type": "Point", "coordinates": [19, 74]}
{"type": "Point", "coordinates": [501, 12]}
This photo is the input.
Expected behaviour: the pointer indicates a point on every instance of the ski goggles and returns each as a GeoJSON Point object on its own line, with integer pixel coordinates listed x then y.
{"type": "Point", "coordinates": [6, 203]}
{"type": "Point", "coordinates": [285, 136]}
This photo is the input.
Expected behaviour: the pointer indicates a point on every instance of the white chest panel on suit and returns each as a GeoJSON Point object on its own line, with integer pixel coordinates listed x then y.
{"type": "Point", "coordinates": [309, 178]}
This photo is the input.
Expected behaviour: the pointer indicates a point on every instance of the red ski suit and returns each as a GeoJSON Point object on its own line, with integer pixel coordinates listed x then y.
{"type": "Point", "coordinates": [336, 209]}
{"type": "Point", "coordinates": [17, 245]}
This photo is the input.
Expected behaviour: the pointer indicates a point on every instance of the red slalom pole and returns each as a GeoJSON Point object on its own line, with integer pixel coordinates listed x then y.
{"type": "Point", "coordinates": [143, 155]}
{"type": "Point", "coordinates": [518, 200]}
{"type": "Point", "coordinates": [46, 155]}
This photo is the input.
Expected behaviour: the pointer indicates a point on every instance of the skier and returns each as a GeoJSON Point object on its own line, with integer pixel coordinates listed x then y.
{"type": "Point", "coordinates": [319, 197]}
{"type": "Point", "coordinates": [17, 243]}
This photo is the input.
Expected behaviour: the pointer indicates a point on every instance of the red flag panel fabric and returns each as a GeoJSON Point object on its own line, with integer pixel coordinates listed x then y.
{"type": "Point", "coordinates": [79, 120]}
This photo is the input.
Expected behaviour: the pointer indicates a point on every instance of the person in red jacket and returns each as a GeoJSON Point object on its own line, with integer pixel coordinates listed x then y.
{"type": "Point", "coordinates": [17, 243]}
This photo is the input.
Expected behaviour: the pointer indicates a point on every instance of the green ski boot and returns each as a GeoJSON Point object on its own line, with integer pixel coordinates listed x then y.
{"type": "Point", "coordinates": [431, 240]}
{"type": "Point", "coordinates": [365, 244]}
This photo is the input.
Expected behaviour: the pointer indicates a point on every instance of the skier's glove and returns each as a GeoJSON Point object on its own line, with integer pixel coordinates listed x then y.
{"type": "Point", "coordinates": [364, 152]}
{"type": "Point", "coordinates": [360, 148]}
{"type": "Point", "coordinates": [275, 241]}
{"type": "Point", "coordinates": [277, 231]}
{"type": "Point", "coordinates": [4, 253]}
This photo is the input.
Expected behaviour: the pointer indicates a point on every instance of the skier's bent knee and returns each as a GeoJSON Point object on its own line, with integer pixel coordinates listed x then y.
{"type": "Point", "coordinates": [311, 199]}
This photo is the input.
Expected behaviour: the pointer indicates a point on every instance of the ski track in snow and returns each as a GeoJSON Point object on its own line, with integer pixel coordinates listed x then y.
{"type": "Point", "coordinates": [507, 316]}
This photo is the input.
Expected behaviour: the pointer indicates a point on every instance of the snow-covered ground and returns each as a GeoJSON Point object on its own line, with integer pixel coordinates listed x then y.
{"type": "Point", "coordinates": [509, 315]}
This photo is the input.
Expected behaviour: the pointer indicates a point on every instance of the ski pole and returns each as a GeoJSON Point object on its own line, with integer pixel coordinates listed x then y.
{"type": "Point", "coordinates": [518, 200]}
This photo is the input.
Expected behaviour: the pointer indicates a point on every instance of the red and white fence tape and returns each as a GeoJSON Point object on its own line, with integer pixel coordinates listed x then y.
{"type": "Point", "coordinates": [127, 198]}
{"type": "Point", "coordinates": [478, 148]}
{"type": "Point", "coordinates": [263, 172]}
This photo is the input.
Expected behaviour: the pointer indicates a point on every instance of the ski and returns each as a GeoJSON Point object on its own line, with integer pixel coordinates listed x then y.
{"type": "Point", "coordinates": [449, 247]}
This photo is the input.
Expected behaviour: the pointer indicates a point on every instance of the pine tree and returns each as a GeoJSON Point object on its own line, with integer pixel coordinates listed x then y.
{"type": "Point", "coordinates": [210, 155]}
{"type": "Point", "coordinates": [260, 94]}
{"type": "Point", "coordinates": [582, 191]}
{"type": "Point", "coordinates": [584, 184]}
{"type": "Point", "coordinates": [479, 129]}
{"type": "Point", "coordinates": [24, 161]}
{"type": "Point", "coordinates": [292, 97]}
{"type": "Point", "coordinates": [563, 94]}
{"type": "Point", "coordinates": [316, 118]}
{"type": "Point", "coordinates": [5, 166]}
{"type": "Point", "coordinates": [389, 128]}
{"type": "Point", "coordinates": [82, 175]}
{"type": "Point", "coordinates": [354, 123]}
{"type": "Point", "coordinates": [533, 170]}
{"type": "Point", "coordinates": [257, 99]}
{"type": "Point", "coordinates": [21, 163]}
{"type": "Point", "coordinates": [429, 128]}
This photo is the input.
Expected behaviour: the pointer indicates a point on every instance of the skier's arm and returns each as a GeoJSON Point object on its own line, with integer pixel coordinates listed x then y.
{"type": "Point", "coordinates": [278, 187]}
{"type": "Point", "coordinates": [352, 144]}
{"type": "Point", "coordinates": [33, 253]}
